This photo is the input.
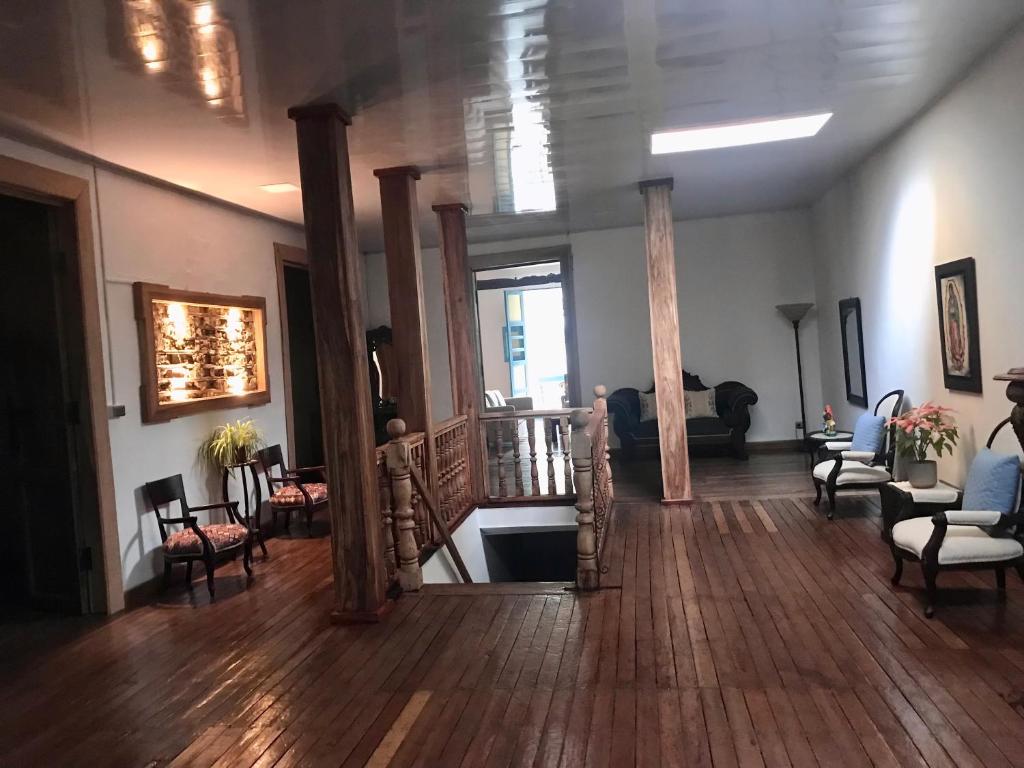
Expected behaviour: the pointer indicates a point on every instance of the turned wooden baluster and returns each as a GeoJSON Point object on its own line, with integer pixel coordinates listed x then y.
{"type": "Point", "coordinates": [399, 459]}
{"type": "Point", "coordinates": [549, 447]}
{"type": "Point", "coordinates": [517, 461]}
{"type": "Point", "coordinates": [387, 518]}
{"type": "Point", "coordinates": [499, 444]}
{"type": "Point", "coordinates": [563, 424]}
{"type": "Point", "coordinates": [531, 439]}
{"type": "Point", "coordinates": [600, 393]}
{"type": "Point", "coordinates": [587, 576]}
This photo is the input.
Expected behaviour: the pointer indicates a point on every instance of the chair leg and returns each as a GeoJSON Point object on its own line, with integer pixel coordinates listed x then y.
{"type": "Point", "coordinates": [930, 571]}
{"type": "Point", "coordinates": [817, 488]}
{"type": "Point", "coordinates": [167, 575]}
{"type": "Point", "coordinates": [1020, 570]}
{"type": "Point", "coordinates": [208, 562]}
{"type": "Point", "coordinates": [899, 570]}
{"type": "Point", "coordinates": [273, 521]}
{"type": "Point", "coordinates": [309, 522]}
{"type": "Point", "coordinates": [188, 574]}
{"type": "Point", "coordinates": [831, 501]}
{"type": "Point", "coordinates": [1001, 582]}
{"type": "Point", "coordinates": [247, 558]}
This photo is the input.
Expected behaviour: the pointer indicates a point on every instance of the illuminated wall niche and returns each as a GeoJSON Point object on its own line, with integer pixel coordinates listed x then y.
{"type": "Point", "coordinates": [199, 351]}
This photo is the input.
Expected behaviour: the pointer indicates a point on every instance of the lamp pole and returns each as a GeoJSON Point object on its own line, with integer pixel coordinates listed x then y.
{"type": "Point", "coordinates": [795, 313]}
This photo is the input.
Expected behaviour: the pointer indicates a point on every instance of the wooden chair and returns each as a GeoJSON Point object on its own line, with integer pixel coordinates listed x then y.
{"type": "Point", "coordinates": [865, 462]}
{"type": "Point", "coordinates": [293, 489]}
{"type": "Point", "coordinates": [208, 543]}
{"type": "Point", "coordinates": [957, 535]}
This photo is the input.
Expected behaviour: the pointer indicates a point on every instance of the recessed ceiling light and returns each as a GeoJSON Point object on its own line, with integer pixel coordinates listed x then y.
{"type": "Point", "coordinates": [737, 134]}
{"type": "Point", "coordinates": [277, 189]}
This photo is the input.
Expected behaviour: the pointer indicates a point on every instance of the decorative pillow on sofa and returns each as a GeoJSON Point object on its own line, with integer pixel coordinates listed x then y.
{"type": "Point", "coordinates": [700, 405]}
{"type": "Point", "coordinates": [648, 406]}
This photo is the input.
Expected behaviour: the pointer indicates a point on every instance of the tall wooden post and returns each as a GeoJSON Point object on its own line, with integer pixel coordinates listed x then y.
{"type": "Point", "coordinates": [668, 359]}
{"type": "Point", "coordinates": [399, 213]}
{"type": "Point", "coordinates": [467, 387]}
{"type": "Point", "coordinates": [336, 280]}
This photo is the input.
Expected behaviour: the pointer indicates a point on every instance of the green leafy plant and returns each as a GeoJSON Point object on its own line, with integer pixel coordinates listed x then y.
{"type": "Point", "coordinates": [929, 427]}
{"type": "Point", "coordinates": [231, 444]}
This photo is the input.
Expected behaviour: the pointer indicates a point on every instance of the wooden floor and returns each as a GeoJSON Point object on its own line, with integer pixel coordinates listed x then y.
{"type": "Point", "coordinates": [739, 632]}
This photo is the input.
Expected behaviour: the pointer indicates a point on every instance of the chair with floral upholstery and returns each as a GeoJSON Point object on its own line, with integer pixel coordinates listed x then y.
{"type": "Point", "coordinates": [864, 462]}
{"type": "Point", "coordinates": [207, 543]}
{"type": "Point", "coordinates": [293, 489]}
{"type": "Point", "coordinates": [979, 528]}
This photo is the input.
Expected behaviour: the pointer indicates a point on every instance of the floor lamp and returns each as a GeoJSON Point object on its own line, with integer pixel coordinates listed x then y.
{"type": "Point", "coordinates": [795, 313]}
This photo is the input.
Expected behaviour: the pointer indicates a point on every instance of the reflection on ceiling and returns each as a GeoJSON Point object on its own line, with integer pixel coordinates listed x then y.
{"type": "Point", "coordinates": [537, 113]}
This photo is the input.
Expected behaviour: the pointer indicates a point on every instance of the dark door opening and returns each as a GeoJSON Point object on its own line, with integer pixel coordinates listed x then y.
{"type": "Point", "coordinates": [530, 555]}
{"type": "Point", "coordinates": [308, 444]}
{"type": "Point", "coordinates": [49, 517]}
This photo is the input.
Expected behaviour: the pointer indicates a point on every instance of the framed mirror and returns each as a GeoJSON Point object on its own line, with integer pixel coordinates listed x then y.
{"type": "Point", "coordinates": [853, 352]}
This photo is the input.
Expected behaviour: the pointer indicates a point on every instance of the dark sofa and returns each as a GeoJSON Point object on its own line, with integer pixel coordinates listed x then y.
{"type": "Point", "coordinates": [728, 429]}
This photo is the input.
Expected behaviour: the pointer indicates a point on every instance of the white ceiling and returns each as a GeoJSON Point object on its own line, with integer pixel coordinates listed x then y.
{"type": "Point", "coordinates": [437, 83]}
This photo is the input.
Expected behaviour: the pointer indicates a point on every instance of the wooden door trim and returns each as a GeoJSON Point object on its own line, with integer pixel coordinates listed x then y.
{"type": "Point", "coordinates": [290, 256]}
{"type": "Point", "coordinates": [21, 179]}
{"type": "Point", "coordinates": [563, 255]}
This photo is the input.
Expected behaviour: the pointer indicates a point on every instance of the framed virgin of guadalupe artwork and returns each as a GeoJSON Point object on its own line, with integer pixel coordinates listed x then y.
{"type": "Point", "coordinates": [957, 292]}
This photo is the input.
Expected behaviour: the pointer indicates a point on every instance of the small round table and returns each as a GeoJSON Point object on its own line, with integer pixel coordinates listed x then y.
{"type": "Point", "coordinates": [815, 440]}
{"type": "Point", "coordinates": [254, 529]}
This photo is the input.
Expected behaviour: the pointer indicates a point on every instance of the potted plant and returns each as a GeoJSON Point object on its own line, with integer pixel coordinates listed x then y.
{"type": "Point", "coordinates": [231, 444]}
{"type": "Point", "coordinates": [928, 427]}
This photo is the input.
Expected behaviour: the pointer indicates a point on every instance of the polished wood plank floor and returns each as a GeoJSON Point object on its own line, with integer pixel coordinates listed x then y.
{"type": "Point", "coordinates": [743, 631]}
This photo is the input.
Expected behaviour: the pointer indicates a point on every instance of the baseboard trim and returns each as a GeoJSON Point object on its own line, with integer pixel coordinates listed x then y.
{"type": "Point", "coordinates": [775, 446]}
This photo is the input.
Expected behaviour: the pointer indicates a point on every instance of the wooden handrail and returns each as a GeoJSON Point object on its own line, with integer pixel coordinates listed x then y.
{"type": "Point", "coordinates": [446, 535]}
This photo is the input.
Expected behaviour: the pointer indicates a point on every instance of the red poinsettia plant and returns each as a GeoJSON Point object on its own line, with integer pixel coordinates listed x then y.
{"type": "Point", "coordinates": [927, 427]}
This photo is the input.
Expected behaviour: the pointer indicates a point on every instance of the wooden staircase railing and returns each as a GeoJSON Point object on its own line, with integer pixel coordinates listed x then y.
{"type": "Point", "coordinates": [513, 469]}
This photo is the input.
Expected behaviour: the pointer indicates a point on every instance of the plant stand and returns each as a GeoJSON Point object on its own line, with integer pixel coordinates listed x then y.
{"type": "Point", "coordinates": [255, 531]}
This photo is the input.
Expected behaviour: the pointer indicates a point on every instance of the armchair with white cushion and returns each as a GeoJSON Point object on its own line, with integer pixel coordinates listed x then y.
{"type": "Point", "coordinates": [865, 462]}
{"type": "Point", "coordinates": [981, 529]}
{"type": "Point", "coordinates": [495, 402]}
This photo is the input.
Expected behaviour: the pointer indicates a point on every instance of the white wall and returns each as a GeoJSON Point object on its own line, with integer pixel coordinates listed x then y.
{"type": "Point", "coordinates": [491, 312]}
{"type": "Point", "coordinates": [947, 188]}
{"type": "Point", "coordinates": [731, 273]}
{"type": "Point", "coordinates": [150, 234]}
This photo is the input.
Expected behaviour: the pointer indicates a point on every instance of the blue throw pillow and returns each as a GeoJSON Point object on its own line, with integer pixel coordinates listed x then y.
{"type": "Point", "coordinates": [992, 483]}
{"type": "Point", "coordinates": [868, 433]}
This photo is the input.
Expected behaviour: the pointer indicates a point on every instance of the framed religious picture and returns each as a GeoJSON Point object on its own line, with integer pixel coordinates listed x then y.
{"type": "Point", "coordinates": [957, 293]}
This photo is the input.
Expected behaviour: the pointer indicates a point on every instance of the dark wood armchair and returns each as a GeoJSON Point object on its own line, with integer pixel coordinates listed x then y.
{"type": "Point", "coordinates": [292, 489]}
{"type": "Point", "coordinates": [208, 543]}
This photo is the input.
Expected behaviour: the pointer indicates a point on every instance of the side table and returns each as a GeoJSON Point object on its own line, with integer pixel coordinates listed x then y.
{"type": "Point", "coordinates": [815, 440]}
{"type": "Point", "coordinates": [255, 531]}
{"type": "Point", "coordinates": [901, 501]}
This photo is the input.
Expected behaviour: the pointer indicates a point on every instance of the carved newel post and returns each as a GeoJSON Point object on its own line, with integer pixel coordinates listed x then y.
{"type": "Point", "coordinates": [410, 577]}
{"type": "Point", "coordinates": [587, 576]}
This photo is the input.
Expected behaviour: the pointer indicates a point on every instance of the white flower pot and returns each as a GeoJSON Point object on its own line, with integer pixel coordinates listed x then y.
{"type": "Point", "coordinates": [923, 474]}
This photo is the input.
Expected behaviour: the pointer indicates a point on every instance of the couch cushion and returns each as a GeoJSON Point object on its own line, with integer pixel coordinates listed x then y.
{"type": "Point", "coordinates": [853, 472]}
{"type": "Point", "coordinates": [290, 495]}
{"type": "Point", "coordinates": [993, 482]}
{"type": "Point", "coordinates": [708, 426]}
{"type": "Point", "coordinates": [700, 405]}
{"type": "Point", "coordinates": [963, 543]}
{"type": "Point", "coordinates": [648, 406]}
{"type": "Point", "coordinates": [868, 433]}
{"type": "Point", "coordinates": [494, 398]}
{"type": "Point", "coordinates": [221, 536]}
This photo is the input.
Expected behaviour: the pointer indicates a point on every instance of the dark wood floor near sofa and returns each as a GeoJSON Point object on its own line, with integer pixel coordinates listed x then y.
{"type": "Point", "coordinates": [749, 631]}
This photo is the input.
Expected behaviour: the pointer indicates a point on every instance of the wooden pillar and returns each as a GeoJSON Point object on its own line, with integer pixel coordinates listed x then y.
{"type": "Point", "coordinates": [467, 387]}
{"type": "Point", "coordinates": [336, 283]}
{"type": "Point", "coordinates": [399, 213]}
{"type": "Point", "coordinates": [668, 359]}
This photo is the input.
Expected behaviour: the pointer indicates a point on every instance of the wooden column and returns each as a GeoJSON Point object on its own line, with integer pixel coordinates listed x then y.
{"type": "Point", "coordinates": [668, 359]}
{"type": "Point", "coordinates": [467, 386]}
{"type": "Point", "coordinates": [399, 213]}
{"type": "Point", "coordinates": [336, 280]}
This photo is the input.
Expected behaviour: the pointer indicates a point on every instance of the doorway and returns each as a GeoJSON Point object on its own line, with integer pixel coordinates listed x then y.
{"type": "Point", "coordinates": [51, 550]}
{"type": "Point", "coordinates": [302, 387]}
{"type": "Point", "coordinates": [521, 316]}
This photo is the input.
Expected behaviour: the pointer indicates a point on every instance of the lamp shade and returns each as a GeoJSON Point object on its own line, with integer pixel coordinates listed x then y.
{"type": "Point", "coordinates": [794, 312]}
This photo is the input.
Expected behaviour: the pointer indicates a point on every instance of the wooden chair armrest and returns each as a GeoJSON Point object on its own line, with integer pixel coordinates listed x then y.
{"type": "Point", "coordinates": [208, 507]}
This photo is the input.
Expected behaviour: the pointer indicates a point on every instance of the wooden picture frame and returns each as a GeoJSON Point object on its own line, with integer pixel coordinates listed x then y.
{"type": "Point", "coordinates": [956, 291]}
{"type": "Point", "coordinates": [852, 328]}
{"type": "Point", "coordinates": [156, 410]}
